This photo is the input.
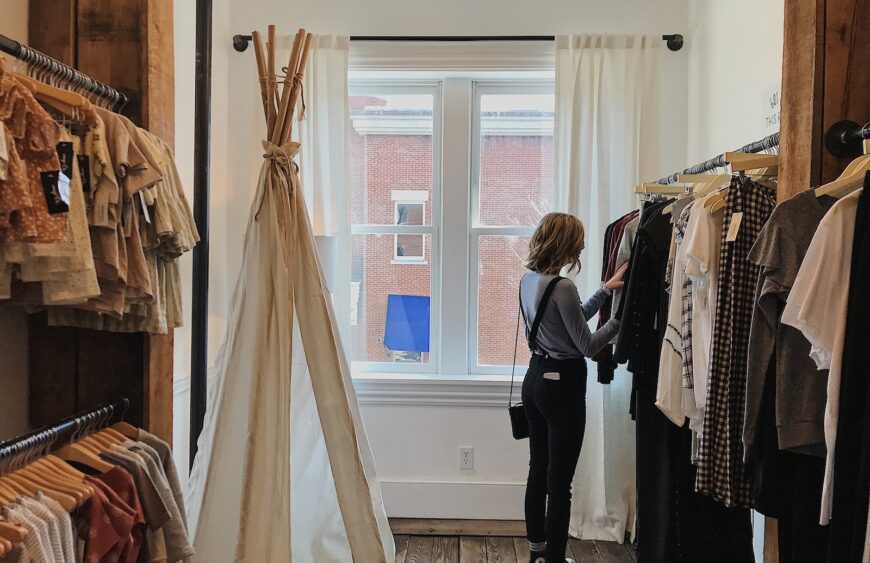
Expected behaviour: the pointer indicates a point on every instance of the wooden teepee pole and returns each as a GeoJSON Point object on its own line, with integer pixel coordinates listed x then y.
{"type": "Point", "coordinates": [264, 78]}
{"type": "Point", "coordinates": [296, 90]}
{"type": "Point", "coordinates": [273, 84]}
{"type": "Point", "coordinates": [275, 133]}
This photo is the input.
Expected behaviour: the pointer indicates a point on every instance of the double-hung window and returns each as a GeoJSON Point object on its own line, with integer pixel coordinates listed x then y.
{"type": "Point", "coordinates": [451, 173]}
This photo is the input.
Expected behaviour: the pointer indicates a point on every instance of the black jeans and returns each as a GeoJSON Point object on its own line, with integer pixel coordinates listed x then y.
{"type": "Point", "coordinates": [556, 411]}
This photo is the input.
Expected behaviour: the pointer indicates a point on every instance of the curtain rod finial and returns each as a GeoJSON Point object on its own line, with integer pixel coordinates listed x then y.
{"type": "Point", "coordinates": [241, 42]}
{"type": "Point", "coordinates": [674, 42]}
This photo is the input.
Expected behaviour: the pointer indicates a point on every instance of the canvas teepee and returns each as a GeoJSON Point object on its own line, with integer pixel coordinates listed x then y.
{"type": "Point", "coordinates": [284, 470]}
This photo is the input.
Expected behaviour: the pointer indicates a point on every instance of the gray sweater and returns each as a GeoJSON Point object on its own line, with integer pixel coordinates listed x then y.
{"type": "Point", "coordinates": [564, 332]}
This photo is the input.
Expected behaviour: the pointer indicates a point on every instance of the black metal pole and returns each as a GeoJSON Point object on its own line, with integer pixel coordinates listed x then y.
{"type": "Point", "coordinates": [764, 144]}
{"type": "Point", "coordinates": [201, 181]}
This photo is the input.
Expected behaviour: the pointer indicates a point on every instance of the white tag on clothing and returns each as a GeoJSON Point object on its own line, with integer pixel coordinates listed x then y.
{"type": "Point", "coordinates": [4, 154]}
{"type": "Point", "coordinates": [734, 226]}
{"type": "Point", "coordinates": [552, 376]}
{"type": "Point", "coordinates": [145, 212]}
{"type": "Point", "coordinates": [63, 187]}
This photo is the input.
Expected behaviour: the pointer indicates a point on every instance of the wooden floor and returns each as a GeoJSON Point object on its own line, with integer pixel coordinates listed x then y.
{"type": "Point", "coordinates": [479, 549]}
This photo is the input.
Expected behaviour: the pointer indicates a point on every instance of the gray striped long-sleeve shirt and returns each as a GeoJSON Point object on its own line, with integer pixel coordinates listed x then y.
{"type": "Point", "coordinates": [564, 332]}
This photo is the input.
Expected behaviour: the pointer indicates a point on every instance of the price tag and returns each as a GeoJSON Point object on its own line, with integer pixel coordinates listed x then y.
{"type": "Point", "coordinates": [734, 226]}
{"type": "Point", "coordinates": [51, 189]}
{"type": "Point", "coordinates": [85, 171]}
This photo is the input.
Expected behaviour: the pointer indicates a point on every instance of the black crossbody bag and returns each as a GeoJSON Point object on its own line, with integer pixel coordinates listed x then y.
{"type": "Point", "coordinates": [517, 413]}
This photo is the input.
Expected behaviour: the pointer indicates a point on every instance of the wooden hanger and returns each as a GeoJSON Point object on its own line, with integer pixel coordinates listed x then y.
{"type": "Point", "coordinates": [655, 188]}
{"type": "Point", "coordinates": [114, 436]}
{"type": "Point", "coordinates": [64, 476]}
{"type": "Point", "coordinates": [850, 180]}
{"type": "Point", "coordinates": [75, 452]}
{"type": "Point", "coordinates": [743, 161]}
{"type": "Point", "coordinates": [127, 430]}
{"type": "Point", "coordinates": [30, 488]}
{"type": "Point", "coordinates": [62, 100]}
{"type": "Point", "coordinates": [54, 484]}
{"type": "Point", "coordinates": [12, 532]}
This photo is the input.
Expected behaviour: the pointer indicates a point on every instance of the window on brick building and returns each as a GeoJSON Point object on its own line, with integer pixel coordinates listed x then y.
{"type": "Point", "coordinates": [450, 176]}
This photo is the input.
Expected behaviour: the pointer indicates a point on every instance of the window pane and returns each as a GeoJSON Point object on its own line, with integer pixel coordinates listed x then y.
{"type": "Point", "coordinates": [500, 267]}
{"type": "Point", "coordinates": [516, 158]}
{"type": "Point", "coordinates": [410, 247]}
{"type": "Point", "coordinates": [409, 213]}
{"type": "Point", "coordinates": [390, 307]}
{"type": "Point", "coordinates": [391, 155]}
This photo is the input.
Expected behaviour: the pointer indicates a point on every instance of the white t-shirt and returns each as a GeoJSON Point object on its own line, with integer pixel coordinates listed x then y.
{"type": "Point", "coordinates": [669, 392]}
{"type": "Point", "coordinates": [702, 247]}
{"type": "Point", "coordinates": [817, 306]}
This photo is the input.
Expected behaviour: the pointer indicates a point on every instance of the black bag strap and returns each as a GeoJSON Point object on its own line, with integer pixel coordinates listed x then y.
{"type": "Point", "coordinates": [536, 324]}
{"type": "Point", "coordinates": [539, 314]}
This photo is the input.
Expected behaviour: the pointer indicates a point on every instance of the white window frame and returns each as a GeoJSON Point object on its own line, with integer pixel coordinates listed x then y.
{"type": "Point", "coordinates": [455, 230]}
{"type": "Point", "coordinates": [478, 230]}
{"type": "Point", "coordinates": [362, 87]}
{"type": "Point", "coordinates": [421, 259]}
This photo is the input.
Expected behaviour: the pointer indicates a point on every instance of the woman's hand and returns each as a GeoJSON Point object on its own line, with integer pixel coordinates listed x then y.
{"type": "Point", "coordinates": [616, 281]}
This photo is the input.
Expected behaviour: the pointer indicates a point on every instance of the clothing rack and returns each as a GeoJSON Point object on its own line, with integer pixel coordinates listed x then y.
{"type": "Point", "coordinates": [76, 78]}
{"type": "Point", "coordinates": [767, 143]}
{"type": "Point", "coordinates": [20, 451]}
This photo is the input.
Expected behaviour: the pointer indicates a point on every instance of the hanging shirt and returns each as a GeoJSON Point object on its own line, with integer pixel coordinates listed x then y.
{"type": "Point", "coordinates": [722, 473]}
{"type": "Point", "coordinates": [611, 264]}
{"type": "Point", "coordinates": [800, 393]}
{"type": "Point", "coordinates": [702, 242]}
{"type": "Point", "coordinates": [669, 393]}
{"type": "Point", "coordinates": [817, 307]}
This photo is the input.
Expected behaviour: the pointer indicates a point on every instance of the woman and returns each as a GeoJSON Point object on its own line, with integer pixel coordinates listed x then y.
{"type": "Point", "coordinates": [554, 389]}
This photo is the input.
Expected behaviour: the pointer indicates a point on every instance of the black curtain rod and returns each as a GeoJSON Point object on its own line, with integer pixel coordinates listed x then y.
{"type": "Point", "coordinates": [20, 451]}
{"type": "Point", "coordinates": [241, 42]}
{"type": "Point", "coordinates": [766, 143]}
{"type": "Point", "coordinates": [56, 68]}
{"type": "Point", "coordinates": [452, 37]}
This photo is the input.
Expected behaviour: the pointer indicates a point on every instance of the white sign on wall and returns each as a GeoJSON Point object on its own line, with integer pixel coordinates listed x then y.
{"type": "Point", "coordinates": [771, 109]}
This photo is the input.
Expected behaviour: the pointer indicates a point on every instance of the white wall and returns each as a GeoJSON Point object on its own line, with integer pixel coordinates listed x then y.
{"type": "Point", "coordinates": [415, 446]}
{"type": "Point", "coordinates": [735, 59]}
{"type": "Point", "coordinates": [13, 324]}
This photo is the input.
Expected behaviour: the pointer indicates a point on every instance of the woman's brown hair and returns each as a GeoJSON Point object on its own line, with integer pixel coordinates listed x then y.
{"type": "Point", "coordinates": [556, 243]}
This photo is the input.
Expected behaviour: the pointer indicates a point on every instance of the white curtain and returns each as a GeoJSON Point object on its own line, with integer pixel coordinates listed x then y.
{"type": "Point", "coordinates": [606, 129]}
{"type": "Point", "coordinates": [325, 137]}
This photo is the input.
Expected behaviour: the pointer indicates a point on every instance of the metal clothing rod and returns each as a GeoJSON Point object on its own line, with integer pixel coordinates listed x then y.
{"type": "Point", "coordinates": [764, 144]}
{"type": "Point", "coordinates": [20, 451]}
{"type": "Point", "coordinates": [54, 67]}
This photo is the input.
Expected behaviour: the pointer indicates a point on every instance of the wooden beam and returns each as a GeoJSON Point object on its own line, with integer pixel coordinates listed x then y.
{"type": "Point", "coordinates": [800, 119]}
{"type": "Point", "coordinates": [51, 28]}
{"type": "Point", "coordinates": [127, 44]}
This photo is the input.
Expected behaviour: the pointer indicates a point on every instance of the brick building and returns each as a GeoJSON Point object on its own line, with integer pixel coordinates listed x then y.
{"type": "Point", "coordinates": [392, 184]}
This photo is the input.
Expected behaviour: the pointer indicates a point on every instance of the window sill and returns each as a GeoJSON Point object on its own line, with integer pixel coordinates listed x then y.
{"type": "Point", "coordinates": [411, 262]}
{"type": "Point", "coordinates": [435, 390]}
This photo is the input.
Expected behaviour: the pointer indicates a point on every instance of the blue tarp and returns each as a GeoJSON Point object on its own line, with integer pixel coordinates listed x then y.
{"type": "Point", "coordinates": [407, 326]}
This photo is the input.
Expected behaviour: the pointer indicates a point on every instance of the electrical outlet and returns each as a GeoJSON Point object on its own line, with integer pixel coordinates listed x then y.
{"type": "Point", "coordinates": [466, 457]}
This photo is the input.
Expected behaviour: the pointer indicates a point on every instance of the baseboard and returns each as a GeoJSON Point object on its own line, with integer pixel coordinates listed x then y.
{"type": "Point", "coordinates": [452, 527]}
{"type": "Point", "coordinates": [479, 500]}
